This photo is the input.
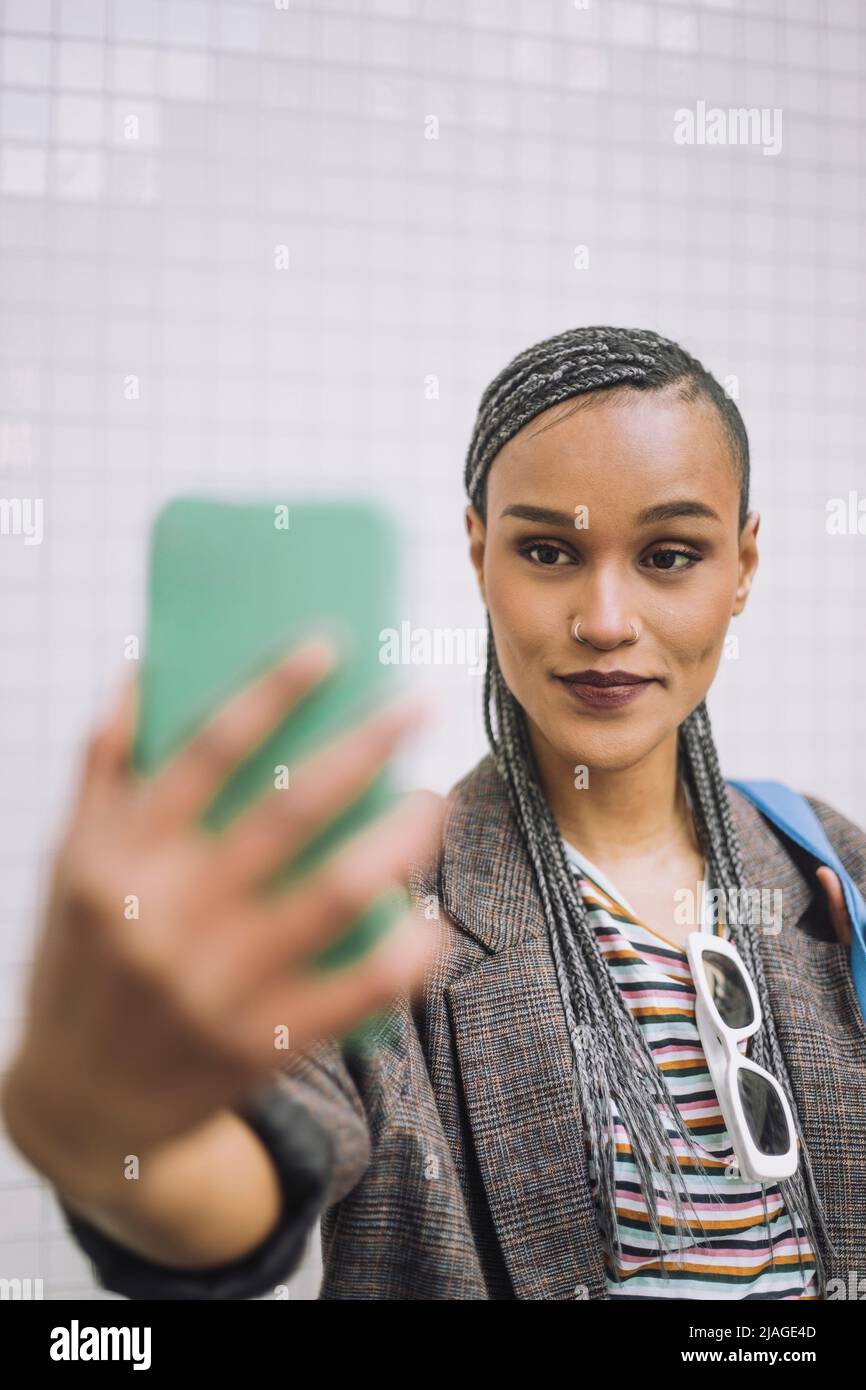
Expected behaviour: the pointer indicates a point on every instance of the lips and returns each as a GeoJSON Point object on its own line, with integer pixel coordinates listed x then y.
{"type": "Point", "coordinates": [605, 689]}
{"type": "Point", "coordinates": [604, 679]}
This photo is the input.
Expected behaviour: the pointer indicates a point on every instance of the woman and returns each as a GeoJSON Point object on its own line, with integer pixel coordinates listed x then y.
{"type": "Point", "coordinates": [517, 1133]}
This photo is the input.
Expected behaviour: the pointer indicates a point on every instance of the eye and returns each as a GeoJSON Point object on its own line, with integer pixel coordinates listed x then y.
{"type": "Point", "coordinates": [669, 557]}
{"type": "Point", "coordinates": [548, 549]}
{"type": "Point", "coordinates": [664, 560]}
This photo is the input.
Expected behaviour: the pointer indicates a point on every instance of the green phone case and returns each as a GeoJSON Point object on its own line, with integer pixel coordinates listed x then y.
{"type": "Point", "coordinates": [235, 585]}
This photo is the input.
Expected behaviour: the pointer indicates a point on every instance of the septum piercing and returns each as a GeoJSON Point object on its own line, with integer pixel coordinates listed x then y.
{"type": "Point", "coordinates": [575, 632]}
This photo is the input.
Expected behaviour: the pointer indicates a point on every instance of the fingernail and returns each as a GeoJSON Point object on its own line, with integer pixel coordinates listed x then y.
{"type": "Point", "coordinates": [321, 647]}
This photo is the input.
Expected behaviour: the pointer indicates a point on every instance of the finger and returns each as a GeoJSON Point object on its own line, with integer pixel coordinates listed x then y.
{"type": "Point", "coordinates": [108, 751]}
{"type": "Point", "coordinates": [836, 903]}
{"type": "Point", "coordinates": [294, 926]}
{"type": "Point", "coordinates": [281, 823]}
{"type": "Point", "coordinates": [184, 789]}
{"type": "Point", "coordinates": [322, 1004]}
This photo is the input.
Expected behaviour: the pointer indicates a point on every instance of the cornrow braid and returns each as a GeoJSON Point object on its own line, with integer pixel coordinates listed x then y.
{"type": "Point", "coordinates": [610, 1054]}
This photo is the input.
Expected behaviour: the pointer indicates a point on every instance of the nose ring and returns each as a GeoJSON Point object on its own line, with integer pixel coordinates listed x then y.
{"type": "Point", "coordinates": [575, 632]}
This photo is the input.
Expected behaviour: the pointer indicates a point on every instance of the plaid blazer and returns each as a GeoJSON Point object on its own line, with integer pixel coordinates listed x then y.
{"type": "Point", "coordinates": [450, 1163]}
{"type": "Point", "coordinates": [460, 1169]}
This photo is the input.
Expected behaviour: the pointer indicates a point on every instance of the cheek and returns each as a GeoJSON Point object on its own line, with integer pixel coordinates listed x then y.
{"type": "Point", "coordinates": [692, 633]}
{"type": "Point", "coordinates": [526, 617]}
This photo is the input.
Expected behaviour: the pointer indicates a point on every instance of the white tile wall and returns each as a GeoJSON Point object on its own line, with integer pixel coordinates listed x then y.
{"type": "Point", "coordinates": [154, 152]}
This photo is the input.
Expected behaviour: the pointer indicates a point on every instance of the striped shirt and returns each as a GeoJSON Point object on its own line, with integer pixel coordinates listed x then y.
{"type": "Point", "coordinates": [733, 1262]}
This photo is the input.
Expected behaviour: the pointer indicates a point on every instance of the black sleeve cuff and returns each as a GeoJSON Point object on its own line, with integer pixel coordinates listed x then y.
{"type": "Point", "coordinates": [302, 1151]}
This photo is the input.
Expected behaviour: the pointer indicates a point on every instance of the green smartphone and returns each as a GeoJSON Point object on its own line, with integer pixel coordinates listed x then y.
{"type": "Point", "coordinates": [234, 585]}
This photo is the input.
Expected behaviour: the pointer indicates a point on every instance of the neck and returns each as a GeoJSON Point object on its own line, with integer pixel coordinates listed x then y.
{"type": "Point", "coordinates": [623, 813]}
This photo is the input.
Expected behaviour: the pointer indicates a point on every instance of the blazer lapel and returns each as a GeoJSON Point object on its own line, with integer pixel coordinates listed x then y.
{"type": "Point", "coordinates": [514, 1053]}
{"type": "Point", "coordinates": [516, 1067]}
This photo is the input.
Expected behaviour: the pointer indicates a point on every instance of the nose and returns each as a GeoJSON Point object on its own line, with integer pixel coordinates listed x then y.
{"type": "Point", "coordinates": [600, 604]}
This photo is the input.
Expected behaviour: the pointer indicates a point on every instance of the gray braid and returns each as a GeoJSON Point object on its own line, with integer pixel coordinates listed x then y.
{"type": "Point", "coordinates": [610, 1053]}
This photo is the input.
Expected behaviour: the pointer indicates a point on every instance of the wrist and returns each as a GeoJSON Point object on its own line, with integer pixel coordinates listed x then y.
{"type": "Point", "coordinates": [58, 1156]}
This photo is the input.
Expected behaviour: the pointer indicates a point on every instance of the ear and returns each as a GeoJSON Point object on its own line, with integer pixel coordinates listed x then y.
{"type": "Point", "coordinates": [748, 561]}
{"type": "Point", "coordinates": [477, 532]}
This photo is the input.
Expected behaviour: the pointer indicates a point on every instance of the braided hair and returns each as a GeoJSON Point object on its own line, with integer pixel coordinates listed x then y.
{"type": "Point", "coordinates": [610, 1054]}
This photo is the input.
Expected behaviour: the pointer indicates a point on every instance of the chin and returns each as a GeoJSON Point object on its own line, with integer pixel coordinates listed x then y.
{"type": "Point", "coordinates": [607, 759]}
{"type": "Point", "coordinates": [609, 750]}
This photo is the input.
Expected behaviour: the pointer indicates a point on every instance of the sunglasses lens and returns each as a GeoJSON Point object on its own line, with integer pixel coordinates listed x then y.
{"type": "Point", "coordinates": [728, 989]}
{"type": "Point", "coordinates": [764, 1113]}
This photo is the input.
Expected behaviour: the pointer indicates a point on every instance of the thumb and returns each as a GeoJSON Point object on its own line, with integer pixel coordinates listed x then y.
{"type": "Point", "coordinates": [836, 903]}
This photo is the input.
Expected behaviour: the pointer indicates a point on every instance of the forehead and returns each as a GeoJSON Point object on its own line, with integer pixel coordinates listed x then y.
{"type": "Point", "coordinates": [637, 447]}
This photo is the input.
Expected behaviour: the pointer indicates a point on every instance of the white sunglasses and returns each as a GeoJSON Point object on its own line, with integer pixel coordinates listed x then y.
{"type": "Point", "coordinates": [756, 1110]}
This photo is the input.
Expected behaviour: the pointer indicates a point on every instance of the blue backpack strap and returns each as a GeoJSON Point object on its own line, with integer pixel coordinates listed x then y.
{"type": "Point", "coordinates": [791, 812]}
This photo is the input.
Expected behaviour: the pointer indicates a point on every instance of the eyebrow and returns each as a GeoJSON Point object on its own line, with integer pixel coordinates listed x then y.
{"type": "Point", "coordinates": [663, 511]}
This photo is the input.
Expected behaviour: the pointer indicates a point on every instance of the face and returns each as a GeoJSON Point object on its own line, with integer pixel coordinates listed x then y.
{"type": "Point", "coordinates": [570, 535]}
